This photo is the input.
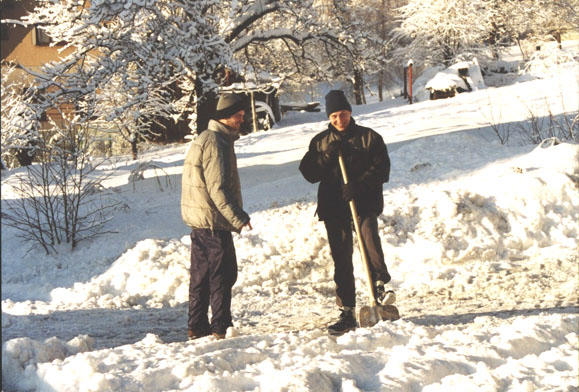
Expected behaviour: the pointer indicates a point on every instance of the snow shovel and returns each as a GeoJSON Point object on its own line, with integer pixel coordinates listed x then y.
{"type": "Point", "coordinates": [368, 315]}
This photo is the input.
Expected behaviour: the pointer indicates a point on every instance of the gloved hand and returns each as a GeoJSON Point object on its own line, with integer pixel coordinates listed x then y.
{"type": "Point", "coordinates": [350, 190]}
{"type": "Point", "coordinates": [330, 153]}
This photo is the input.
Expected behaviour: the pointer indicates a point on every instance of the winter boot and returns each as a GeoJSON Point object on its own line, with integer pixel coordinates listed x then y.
{"type": "Point", "coordinates": [346, 323]}
{"type": "Point", "coordinates": [218, 336]}
{"type": "Point", "coordinates": [192, 335]}
{"type": "Point", "coordinates": [383, 296]}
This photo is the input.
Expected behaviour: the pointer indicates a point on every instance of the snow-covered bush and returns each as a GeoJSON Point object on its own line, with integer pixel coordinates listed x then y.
{"type": "Point", "coordinates": [19, 121]}
{"type": "Point", "coordinates": [57, 200]}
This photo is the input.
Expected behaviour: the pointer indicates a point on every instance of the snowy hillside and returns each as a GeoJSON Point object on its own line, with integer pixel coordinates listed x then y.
{"type": "Point", "coordinates": [480, 239]}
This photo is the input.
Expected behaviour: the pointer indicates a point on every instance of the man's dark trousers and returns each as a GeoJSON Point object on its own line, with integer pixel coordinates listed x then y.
{"type": "Point", "coordinates": [341, 246]}
{"type": "Point", "coordinates": [213, 273]}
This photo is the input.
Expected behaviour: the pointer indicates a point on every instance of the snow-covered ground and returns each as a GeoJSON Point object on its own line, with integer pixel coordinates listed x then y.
{"type": "Point", "coordinates": [480, 239]}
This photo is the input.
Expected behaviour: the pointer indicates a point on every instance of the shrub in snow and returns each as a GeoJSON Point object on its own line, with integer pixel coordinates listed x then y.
{"type": "Point", "coordinates": [58, 200]}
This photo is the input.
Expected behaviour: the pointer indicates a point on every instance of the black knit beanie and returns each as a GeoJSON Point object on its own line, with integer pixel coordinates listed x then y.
{"type": "Point", "coordinates": [336, 101]}
{"type": "Point", "coordinates": [228, 105]}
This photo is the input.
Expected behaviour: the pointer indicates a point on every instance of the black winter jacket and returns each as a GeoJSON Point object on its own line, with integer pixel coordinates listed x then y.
{"type": "Point", "coordinates": [367, 163]}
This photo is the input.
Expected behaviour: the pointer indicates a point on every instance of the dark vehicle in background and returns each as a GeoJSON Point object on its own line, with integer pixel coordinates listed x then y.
{"type": "Point", "coordinates": [262, 103]}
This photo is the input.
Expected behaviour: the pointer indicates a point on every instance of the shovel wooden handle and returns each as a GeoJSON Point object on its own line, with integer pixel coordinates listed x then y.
{"type": "Point", "coordinates": [359, 235]}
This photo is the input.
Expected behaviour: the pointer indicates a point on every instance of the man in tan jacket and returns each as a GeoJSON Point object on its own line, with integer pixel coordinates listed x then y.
{"type": "Point", "coordinates": [211, 205]}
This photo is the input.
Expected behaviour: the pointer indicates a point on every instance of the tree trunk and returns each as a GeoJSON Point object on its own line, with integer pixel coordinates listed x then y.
{"type": "Point", "coordinates": [383, 37]}
{"type": "Point", "coordinates": [134, 147]}
{"type": "Point", "coordinates": [205, 107]}
{"type": "Point", "coordinates": [358, 86]}
{"type": "Point", "coordinates": [557, 36]}
{"type": "Point", "coordinates": [519, 44]}
{"type": "Point", "coordinates": [380, 85]}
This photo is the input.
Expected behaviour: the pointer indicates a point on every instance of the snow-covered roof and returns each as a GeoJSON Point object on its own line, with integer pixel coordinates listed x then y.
{"type": "Point", "coordinates": [449, 78]}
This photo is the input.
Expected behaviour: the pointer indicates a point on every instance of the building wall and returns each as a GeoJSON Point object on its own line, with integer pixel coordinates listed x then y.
{"type": "Point", "coordinates": [19, 43]}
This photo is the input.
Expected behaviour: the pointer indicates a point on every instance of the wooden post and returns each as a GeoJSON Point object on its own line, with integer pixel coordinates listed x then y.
{"type": "Point", "coordinates": [410, 81]}
{"type": "Point", "coordinates": [405, 82]}
{"type": "Point", "coordinates": [253, 113]}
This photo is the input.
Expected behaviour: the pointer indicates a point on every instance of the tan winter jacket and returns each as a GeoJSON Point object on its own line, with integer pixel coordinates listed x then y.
{"type": "Point", "coordinates": [211, 191]}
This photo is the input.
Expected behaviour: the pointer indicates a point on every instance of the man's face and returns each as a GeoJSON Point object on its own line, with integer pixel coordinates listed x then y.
{"type": "Point", "coordinates": [341, 119]}
{"type": "Point", "coordinates": [234, 122]}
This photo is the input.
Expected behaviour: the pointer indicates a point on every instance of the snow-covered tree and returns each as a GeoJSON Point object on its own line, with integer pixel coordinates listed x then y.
{"type": "Point", "coordinates": [385, 23]}
{"type": "Point", "coordinates": [516, 20]}
{"type": "Point", "coordinates": [552, 19]}
{"type": "Point", "coordinates": [439, 31]}
{"type": "Point", "coordinates": [359, 51]}
{"type": "Point", "coordinates": [364, 50]}
{"type": "Point", "coordinates": [127, 54]}
{"type": "Point", "coordinates": [137, 61]}
{"type": "Point", "coordinates": [19, 120]}
{"type": "Point", "coordinates": [507, 24]}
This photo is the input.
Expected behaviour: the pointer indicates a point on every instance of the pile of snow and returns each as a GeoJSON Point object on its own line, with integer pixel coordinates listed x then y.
{"type": "Point", "coordinates": [507, 210]}
{"type": "Point", "coordinates": [481, 216]}
{"type": "Point", "coordinates": [487, 353]}
{"type": "Point", "coordinates": [549, 61]}
{"type": "Point", "coordinates": [21, 356]}
{"type": "Point", "coordinates": [162, 280]}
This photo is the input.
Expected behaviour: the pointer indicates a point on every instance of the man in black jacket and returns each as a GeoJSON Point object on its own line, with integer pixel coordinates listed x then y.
{"type": "Point", "coordinates": [368, 167]}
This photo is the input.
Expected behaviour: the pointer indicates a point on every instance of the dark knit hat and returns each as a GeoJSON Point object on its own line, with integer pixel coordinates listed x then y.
{"type": "Point", "coordinates": [228, 105]}
{"type": "Point", "coordinates": [336, 101]}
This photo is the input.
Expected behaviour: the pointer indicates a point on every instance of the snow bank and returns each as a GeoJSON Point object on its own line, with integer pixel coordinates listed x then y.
{"type": "Point", "coordinates": [481, 216]}
{"type": "Point", "coordinates": [505, 211]}
{"type": "Point", "coordinates": [20, 359]}
{"type": "Point", "coordinates": [548, 62]}
{"type": "Point", "coordinates": [481, 355]}
{"type": "Point", "coordinates": [154, 273]}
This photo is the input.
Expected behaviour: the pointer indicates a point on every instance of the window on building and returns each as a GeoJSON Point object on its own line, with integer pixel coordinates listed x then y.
{"type": "Point", "coordinates": [40, 36]}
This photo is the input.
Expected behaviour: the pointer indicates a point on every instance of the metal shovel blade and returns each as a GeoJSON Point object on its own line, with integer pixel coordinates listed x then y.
{"type": "Point", "coordinates": [388, 312]}
{"type": "Point", "coordinates": [370, 315]}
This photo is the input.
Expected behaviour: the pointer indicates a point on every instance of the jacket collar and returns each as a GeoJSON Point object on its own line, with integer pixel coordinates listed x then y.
{"type": "Point", "coordinates": [216, 126]}
{"type": "Point", "coordinates": [346, 133]}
